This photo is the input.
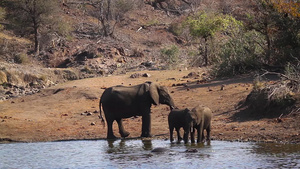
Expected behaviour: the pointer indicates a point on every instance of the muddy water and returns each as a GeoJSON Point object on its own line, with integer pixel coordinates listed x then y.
{"type": "Point", "coordinates": [138, 154]}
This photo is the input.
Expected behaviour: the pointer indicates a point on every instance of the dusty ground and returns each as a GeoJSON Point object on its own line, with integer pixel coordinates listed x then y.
{"type": "Point", "coordinates": [58, 113]}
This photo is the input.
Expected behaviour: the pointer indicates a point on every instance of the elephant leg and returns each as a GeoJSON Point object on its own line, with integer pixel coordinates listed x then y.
{"type": "Point", "coordinates": [110, 133]}
{"type": "Point", "coordinates": [122, 131]}
{"type": "Point", "coordinates": [171, 134]}
{"type": "Point", "coordinates": [208, 133]}
{"type": "Point", "coordinates": [179, 138]}
{"type": "Point", "coordinates": [193, 136]}
{"type": "Point", "coordinates": [146, 125]}
{"type": "Point", "coordinates": [200, 135]}
{"type": "Point", "coordinates": [186, 137]}
{"type": "Point", "coordinates": [186, 134]}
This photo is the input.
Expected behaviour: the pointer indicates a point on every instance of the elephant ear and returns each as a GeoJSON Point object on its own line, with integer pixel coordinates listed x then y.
{"type": "Point", "coordinates": [186, 110]}
{"type": "Point", "coordinates": [195, 115]}
{"type": "Point", "coordinates": [154, 93]}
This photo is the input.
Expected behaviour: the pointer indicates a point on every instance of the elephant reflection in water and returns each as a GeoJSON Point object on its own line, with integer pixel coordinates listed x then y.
{"type": "Point", "coordinates": [120, 102]}
{"type": "Point", "coordinates": [147, 145]}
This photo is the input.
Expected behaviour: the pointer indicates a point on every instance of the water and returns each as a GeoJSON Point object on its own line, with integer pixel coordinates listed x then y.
{"type": "Point", "coordinates": [137, 154]}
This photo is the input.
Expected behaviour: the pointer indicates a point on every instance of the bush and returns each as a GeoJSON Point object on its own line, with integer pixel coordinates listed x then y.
{"type": "Point", "coordinates": [204, 27]}
{"type": "Point", "coordinates": [170, 55]}
{"type": "Point", "coordinates": [176, 28]}
{"type": "Point", "coordinates": [21, 58]}
{"type": "Point", "coordinates": [292, 71]}
{"type": "Point", "coordinates": [240, 54]}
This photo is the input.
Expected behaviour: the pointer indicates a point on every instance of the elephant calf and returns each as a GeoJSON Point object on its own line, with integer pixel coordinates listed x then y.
{"type": "Point", "coordinates": [201, 120]}
{"type": "Point", "coordinates": [198, 118]}
{"type": "Point", "coordinates": [178, 118]}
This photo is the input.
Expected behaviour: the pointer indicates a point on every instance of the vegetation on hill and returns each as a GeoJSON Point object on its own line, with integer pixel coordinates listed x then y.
{"type": "Point", "coordinates": [101, 37]}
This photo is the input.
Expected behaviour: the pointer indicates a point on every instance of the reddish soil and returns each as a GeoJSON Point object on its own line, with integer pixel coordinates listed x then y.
{"type": "Point", "coordinates": [58, 113]}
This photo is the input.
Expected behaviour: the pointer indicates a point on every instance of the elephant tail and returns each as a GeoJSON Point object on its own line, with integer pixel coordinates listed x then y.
{"type": "Point", "coordinates": [100, 116]}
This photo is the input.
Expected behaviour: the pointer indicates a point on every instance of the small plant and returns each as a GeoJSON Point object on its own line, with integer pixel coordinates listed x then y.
{"type": "Point", "coordinates": [152, 22]}
{"type": "Point", "coordinates": [176, 28]}
{"type": "Point", "coordinates": [87, 69]}
{"type": "Point", "coordinates": [170, 55]}
{"type": "Point", "coordinates": [43, 78]}
{"type": "Point", "coordinates": [3, 78]}
{"type": "Point", "coordinates": [21, 58]}
{"type": "Point", "coordinates": [292, 71]}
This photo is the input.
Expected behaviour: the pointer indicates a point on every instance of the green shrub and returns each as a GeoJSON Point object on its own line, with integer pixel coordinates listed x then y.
{"type": "Point", "coordinates": [170, 55]}
{"type": "Point", "coordinates": [204, 27]}
{"type": "Point", "coordinates": [152, 22]}
{"type": "Point", "coordinates": [240, 54]}
{"type": "Point", "coordinates": [176, 28]}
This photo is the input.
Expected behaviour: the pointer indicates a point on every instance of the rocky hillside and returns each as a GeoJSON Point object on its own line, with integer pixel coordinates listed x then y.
{"type": "Point", "coordinates": [136, 43]}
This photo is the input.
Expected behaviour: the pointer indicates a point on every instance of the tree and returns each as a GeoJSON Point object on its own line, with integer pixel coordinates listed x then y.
{"type": "Point", "coordinates": [289, 7]}
{"type": "Point", "coordinates": [110, 13]}
{"type": "Point", "coordinates": [206, 25]}
{"type": "Point", "coordinates": [32, 15]}
{"type": "Point", "coordinates": [279, 22]}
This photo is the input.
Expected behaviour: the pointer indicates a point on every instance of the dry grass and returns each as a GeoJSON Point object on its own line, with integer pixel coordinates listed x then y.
{"type": "Point", "coordinates": [13, 38]}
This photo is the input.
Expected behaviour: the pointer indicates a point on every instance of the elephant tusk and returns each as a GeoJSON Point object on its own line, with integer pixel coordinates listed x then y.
{"type": "Point", "coordinates": [172, 107]}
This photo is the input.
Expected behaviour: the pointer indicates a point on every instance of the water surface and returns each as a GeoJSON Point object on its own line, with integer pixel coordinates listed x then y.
{"type": "Point", "coordinates": [137, 154]}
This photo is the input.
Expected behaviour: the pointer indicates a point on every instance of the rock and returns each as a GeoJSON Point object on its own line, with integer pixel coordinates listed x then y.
{"type": "Point", "coordinates": [93, 123]}
{"type": "Point", "coordinates": [192, 75]}
{"type": "Point", "coordinates": [191, 150]}
{"type": "Point", "coordinates": [159, 150]}
{"type": "Point", "coordinates": [148, 64]}
{"type": "Point", "coordinates": [222, 87]}
{"type": "Point", "coordinates": [9, 93]}
{"type": "Point", "coordinates": [70, 75]}
{"type": "Point", "coordinates": [136, 75]}
{"type": "Point", "coordinates": [146, 75]}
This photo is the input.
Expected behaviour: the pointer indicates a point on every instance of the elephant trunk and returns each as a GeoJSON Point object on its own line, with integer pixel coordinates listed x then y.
{"type": "Point", "coordinates": [192, 127]}
{"type": "Point", "coordinates": [172, 105]}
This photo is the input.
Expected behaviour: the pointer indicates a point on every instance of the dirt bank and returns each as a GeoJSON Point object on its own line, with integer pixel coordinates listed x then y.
{"type": "Point", "coordinates": [70, 110]}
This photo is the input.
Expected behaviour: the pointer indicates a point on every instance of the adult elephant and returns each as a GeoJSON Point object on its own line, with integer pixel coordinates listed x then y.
{"type": "Point", "coordinates": [120, 102]}
{"type": "Point", "coordinates": [200, 119]}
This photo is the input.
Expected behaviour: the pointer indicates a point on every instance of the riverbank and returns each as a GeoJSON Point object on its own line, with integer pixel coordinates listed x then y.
{"type": "Point", "coordinates": [69, 111]}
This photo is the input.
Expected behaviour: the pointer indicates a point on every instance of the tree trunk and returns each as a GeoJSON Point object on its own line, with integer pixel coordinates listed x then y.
{"type": "Point", "coordinates": [35, 29]}
{"type": "Point", "coordinates": [268, 51]}
{"type": "Point", "coordinates": [36, 38]}
{"type": "Point", "coordinates": [205, 52]}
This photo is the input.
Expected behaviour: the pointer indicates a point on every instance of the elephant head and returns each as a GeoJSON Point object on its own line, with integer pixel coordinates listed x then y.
{"type": "Point", "coordinates": [198, 118]}
{"type": "Point", "coordinates": [191, 121]}
{"type": "Point", "coordinates": [160, 95]}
